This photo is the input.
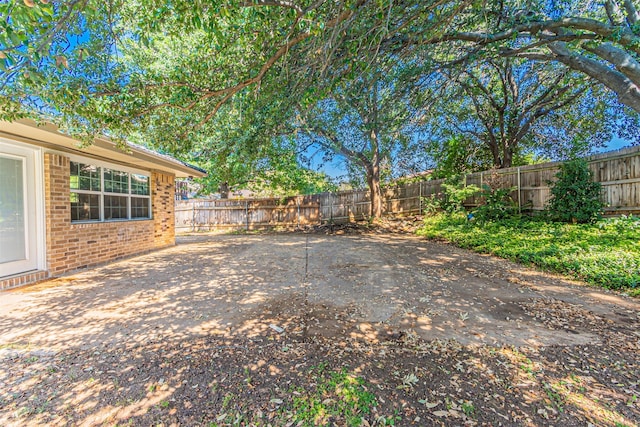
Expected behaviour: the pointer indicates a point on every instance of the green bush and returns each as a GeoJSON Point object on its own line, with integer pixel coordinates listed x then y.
{"type": "Point", "coordinates": [575, 197]}
{"type": "Point", "coordinates": [451, 199]}
{"type": "Point", "coordinates": [497, 204]}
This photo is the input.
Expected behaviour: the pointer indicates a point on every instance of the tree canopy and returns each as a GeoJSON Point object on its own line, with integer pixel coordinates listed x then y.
{"type": "Point", "coordinates": [507, 108]}
{"type": "Point", "coordinates": [223, 81]}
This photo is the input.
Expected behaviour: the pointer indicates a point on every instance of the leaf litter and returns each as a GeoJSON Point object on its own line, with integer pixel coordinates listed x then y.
{"type": "Point", "coordinates": [256, 382]}
{"type": "Point", "coordinates": [389, 377]}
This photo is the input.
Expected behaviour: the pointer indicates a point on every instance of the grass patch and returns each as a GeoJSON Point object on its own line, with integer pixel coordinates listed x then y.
{"type": "Point", "coordinates": [605, 254]}
{"type": "Point", "coordinates": [338, 395]}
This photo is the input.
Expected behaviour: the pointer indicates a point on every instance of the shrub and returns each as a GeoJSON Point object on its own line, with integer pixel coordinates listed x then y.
{"type": "Point", "coordinates": [575, 197]}
{"type": "Point", "coordinates": [498, 205]}
{"type": "Point", "coordinates": [455, 193]}
{"type": "Point", "coordinates": [451, 199]}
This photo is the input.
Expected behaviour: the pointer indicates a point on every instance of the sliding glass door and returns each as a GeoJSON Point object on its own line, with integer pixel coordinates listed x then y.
{"type": "Point", "coordinates": [18, 228]}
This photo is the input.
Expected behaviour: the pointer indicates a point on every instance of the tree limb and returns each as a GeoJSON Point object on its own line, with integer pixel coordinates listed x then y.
{"type": "Point", "coordinates": [632, 13]}
{"type": "Point", "coordinates": [623, 62]}
{"type": "Point", "coordinates": [628, 92]}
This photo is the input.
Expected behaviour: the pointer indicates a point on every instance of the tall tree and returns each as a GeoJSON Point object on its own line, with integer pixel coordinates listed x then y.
{"type": "Point", "coordinates": [511, 107]}
{"type": "Point", "coordinates": [364, 121]}
{"type": "Point", "coordinates": [218, 77]}
{"type": "Point", "coordinates": [42, 43]}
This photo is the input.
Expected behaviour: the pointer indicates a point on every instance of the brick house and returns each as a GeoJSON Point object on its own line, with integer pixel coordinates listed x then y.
{"type": "Point", "coordinates": [65, 207]}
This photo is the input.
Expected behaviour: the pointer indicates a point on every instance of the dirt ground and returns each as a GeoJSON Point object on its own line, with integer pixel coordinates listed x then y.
{"type": "Point", "coordinates": [248, 329]}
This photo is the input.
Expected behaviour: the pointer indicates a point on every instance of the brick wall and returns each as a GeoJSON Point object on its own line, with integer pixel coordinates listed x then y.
{"type": "Point", "coordinates": [72, 246]}
{"type": "Point", "coordinates": [163, 204]}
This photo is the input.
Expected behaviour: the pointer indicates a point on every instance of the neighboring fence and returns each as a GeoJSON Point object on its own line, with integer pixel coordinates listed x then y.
{"type": "Point", "coordinates": [617, 171]}
{"type": "Point", "coordinates": [249, 214]}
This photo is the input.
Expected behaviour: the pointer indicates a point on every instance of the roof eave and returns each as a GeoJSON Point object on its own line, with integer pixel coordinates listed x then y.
{"type": "Point", "coordinates": [49, 136]}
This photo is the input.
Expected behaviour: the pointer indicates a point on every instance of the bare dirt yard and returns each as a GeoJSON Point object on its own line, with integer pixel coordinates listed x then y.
{"type": "Point", "coordinates": [317, 329]}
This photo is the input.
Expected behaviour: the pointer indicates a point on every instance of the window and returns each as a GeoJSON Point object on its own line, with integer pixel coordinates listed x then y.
{"type": "Point", "coordinates": [104, 194]}
{"type": "Point", "coordinates": [85, 192]}
{"type": "Point", "coordinates": [85, 207]}
{"type": "Point", "coordinates": [116, 181]}
{"type": "Point", "coordinates": [140, 203]}
{"type": "Point", "coordinates": [115, 207]}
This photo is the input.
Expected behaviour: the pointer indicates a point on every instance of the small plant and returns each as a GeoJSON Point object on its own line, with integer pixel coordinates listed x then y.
{"type": "Point", "coordinates": [226, 401]}
{"type": "Point", "coordinates": [554, 396]}
{"type": "Point", "coordinates": [338, 394]}
{"type": "Point", "coordinates": [432, 204]}
{"type": "Point", "coordinates": [468, 408]}
{"type": "Point", "coordinates": [164, 404]}
{"type": "Point", "coordinates": [455, 193]}
{"type": "Point", "coordinates": [575, 198]}
{"type": "Point", "coordinates": [451, 199]}
{"type": "Point", "coordinates": [621, 225]}
{"type": "Point", "coordinates": [603, 254]}
{"type": "Point", "coordinates": [498, 205]}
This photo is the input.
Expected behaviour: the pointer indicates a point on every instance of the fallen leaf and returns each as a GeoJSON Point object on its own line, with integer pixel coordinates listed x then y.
{"type": "Point", "coordinates": [429, 405]}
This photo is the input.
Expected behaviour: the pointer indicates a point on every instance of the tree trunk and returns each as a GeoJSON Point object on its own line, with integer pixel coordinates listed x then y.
{"type": "Point", "coordinates": [375, 192]}
{"type": "Point", "coordinates": [495, 150]}
{"type": "Point", "coordinates": [223, 189]}
{"type": "Point", "coordinates": [507, 158]}
{"type": "Point", "coordinates": [373, 171]}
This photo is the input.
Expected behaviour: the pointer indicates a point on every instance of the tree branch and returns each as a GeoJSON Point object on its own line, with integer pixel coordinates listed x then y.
{"type": "Point", "coordinates": [229, 92]}
{"type": "Point", "coordinates": [632, 14]}
{"type": "Point", "coordinates": [628, 92]}
{"type": "Point", "coordinates": [623, 62]}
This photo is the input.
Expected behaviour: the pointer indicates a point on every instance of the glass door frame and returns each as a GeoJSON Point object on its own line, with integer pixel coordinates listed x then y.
{"type": "Point", "coordinates": [33, 204]}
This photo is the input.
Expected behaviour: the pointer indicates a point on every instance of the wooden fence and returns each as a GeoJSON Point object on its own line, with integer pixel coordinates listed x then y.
{"type": "Point", "coordinates": [248, 214]}
{"type": "Point", "coordinates": [617, 171]}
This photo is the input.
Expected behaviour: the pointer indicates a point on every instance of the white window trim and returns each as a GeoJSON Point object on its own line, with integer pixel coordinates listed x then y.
{"type": "Point", "coordinates": [112, 166]}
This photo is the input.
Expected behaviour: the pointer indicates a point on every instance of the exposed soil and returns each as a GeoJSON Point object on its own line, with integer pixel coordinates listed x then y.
{"type": "Point", "coordinates": [238, 330]}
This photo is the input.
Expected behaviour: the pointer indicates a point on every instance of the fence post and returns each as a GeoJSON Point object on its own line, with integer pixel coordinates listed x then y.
{"type": "Point", "coordinates": [519, 194]}
{"type": "Point", "coordinates": [193, 217]}
{"type": "Point", "coordinates": [246, 214]}
{"type": "Point", "coordinates": [330, 207]}
{"type": "Point", "coordinates": [420, 199]}
{"type": "Point", "coordinates": [298, 202]}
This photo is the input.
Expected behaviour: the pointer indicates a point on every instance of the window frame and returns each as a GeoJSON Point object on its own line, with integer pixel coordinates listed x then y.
{"type": "Point", "coordinates": [102, 193]}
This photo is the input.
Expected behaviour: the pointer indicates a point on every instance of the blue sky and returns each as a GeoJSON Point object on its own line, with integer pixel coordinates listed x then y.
{"type": "Point", "coordinates": [615, 144]}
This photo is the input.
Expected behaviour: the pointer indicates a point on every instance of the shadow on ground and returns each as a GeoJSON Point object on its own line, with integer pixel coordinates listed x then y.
{"type": "Point", "coordinates": [227, 325]}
